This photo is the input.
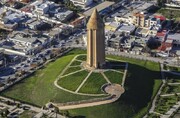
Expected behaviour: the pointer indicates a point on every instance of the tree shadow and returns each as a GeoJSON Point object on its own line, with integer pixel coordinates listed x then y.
{"type": "Point", "coordinates": [139, 86]}
{"type": "Point", "coordinates": [79, 117]}
{"type": "Point", "coordinates": [111, 64]}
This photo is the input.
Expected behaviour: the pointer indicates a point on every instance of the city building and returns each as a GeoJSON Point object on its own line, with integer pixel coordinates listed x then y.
{"type": "Point", "coordinates": [27, 43]}
{"type": "Point", "coordinates": [95, 42]}
{"type": "Point", "coordinates": [140, 19]}
{"type": "Point", "coordinates": [82, 3]}
{"type": "Point", "coordinates": [103, 8]}
{"type": "Point", "coordinates": [43, 7]}
{"type": "Point", "coordinates": [175, 38]}
{"type": "Point", "coordinates": [64, 16]}
{"type": "Point", "coordinates": [143, 32]}
{"type": "Point", "coordinates": [112, 26]}
{"type": "Point", "coordinates": [126, 28]}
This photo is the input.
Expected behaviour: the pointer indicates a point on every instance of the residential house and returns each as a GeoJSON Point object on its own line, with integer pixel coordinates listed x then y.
{"type": "Point", "coordinates": [44, 7]}
{"type": "Point", "coordinates": [82, 3]}
{"type": "Point", "coordinates": [126, 28]}
{"type": "Point", "coordinates": [64, 16]}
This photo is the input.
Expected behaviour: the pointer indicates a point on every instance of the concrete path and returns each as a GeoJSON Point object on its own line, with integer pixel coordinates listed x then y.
{"type": "Point", "coordinates": [76, 66]}
{"type": "Point", "coordinates": [83, 82]}
{"type": "Point", "coordinates": [125, 73]}
{"type": "Point", "coordinates": [159, 91]}
{"type": "Point", "coordinates": [72, 73]}
{"type": "Point", "coordinates": [172, 110]}
{"type": "Point", "coordinates": [141, 57]}
{"type": "Point", "coordinates": [174, 83]}
{"type": "Point", "coordinates": [115, 90]}
{"type": "Point", "coordinates": [105, 77]}
{"type": "Point", "coordinates": [116, 71]}
{"type": "Point", "coordinates": [166, 95]}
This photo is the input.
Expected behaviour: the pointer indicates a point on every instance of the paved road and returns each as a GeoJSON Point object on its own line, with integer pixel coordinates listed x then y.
{"type": "Point", "coordinates": [141, 57]}
{"type": "Point", "coordinates": [38, 16]}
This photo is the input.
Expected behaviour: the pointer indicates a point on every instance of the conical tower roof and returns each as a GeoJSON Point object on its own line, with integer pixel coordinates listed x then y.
{"type": "Point", "coordinates": [95, 21]}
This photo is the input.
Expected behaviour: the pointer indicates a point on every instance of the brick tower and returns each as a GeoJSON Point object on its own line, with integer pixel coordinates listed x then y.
{"type": "Point", "coordinates": [95, 42]}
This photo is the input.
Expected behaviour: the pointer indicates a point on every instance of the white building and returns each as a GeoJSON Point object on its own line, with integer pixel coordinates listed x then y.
{"type": "Point", "coordinates": [27, 43]}
{"type": "Point", "coordinates": [126, 28]}
{"type": "Point", "coordinates": [64, 16]}
{"type": "Point", "coordinates": [82, 3]}
{"type": "Point", "coordinates": [44, 7]}
{"type": "Point", "coordinates": [127, 18]}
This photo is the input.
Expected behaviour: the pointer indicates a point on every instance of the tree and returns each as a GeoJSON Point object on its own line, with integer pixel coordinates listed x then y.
{"type": "Point", "coordinates": [161, 3]}
{"type": "Point", "coordinates": [6, 112]}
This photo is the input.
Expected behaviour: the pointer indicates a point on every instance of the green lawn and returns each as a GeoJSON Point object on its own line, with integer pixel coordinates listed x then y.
{"type": "Point", "coordinates": [39, 88]}
{"type": "Point", "coordinates": [114, 77]}
{"type": "Point", "coordinates": [81, 57]}
{"type": "Point", "coordinates": [170, 68]}
{"type": "Point", "coordinates": [76, 63]}
{"type": "Point", "coordinates": [165, 103]}
{"type": "Point", "coordinates": [166, 13]}
{"type": "Point", "coordinates": [153, 116]}
{"type": "Point", "coordinates": [142, 82]}
{"type": "Point", "coordinates": [72, 69]}
{"type": "Point", "coordinates": [93, 84]}
{"type": "Point", "coordinates": [169, 89]}
{"type": "Point", "coordinates": [172, 78]}
{"type": "Point", "coordinates": [72, 82]}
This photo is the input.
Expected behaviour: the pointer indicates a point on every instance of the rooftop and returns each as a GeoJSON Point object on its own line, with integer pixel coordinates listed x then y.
{"type": "Point", "coordinates": [125, 27]}
{"type": "Point", "coordinates": [98, 7]}
{"type": "Point", "coordinates": [142, 30]}
{"type": "Point", "coordinates": [175, 36]}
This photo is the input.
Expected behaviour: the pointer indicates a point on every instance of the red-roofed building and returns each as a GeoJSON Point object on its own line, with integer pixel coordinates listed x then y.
{"type": "Point", "coordinates": [165, 46]}
{"type": "Point", "coordinates": [162, 18]}
{"type": "Point", "coordinates": [161, 35]}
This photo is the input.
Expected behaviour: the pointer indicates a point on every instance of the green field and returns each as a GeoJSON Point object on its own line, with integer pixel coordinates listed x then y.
{"type": "Point", "coordinates": [169, 89]}
{"type": "Point", "coordinates": [172, 78]}
{"type": "Point", "coordinates": [39, 88]}
{"type": "Point", "coordinates": [72, 82]}
{"type": "Point", "coordinates": [142, 83]}
{"type": "Point", "coordinates": [165, 103]}
{"type": "Point", "coordinates": [93, 84]}
{"type": "Point", "coordinates": [170, 68]}
{"type": "Point", "coordinates": [81, 57]}
{"type": "Point", "coordinates": [114, 77]}
{"type": "Point", "coordinates": [153, 116]}
{"type": "Point", "coordinates": [71, 69]}
{"type": "Point", "coordinates": [166, 12]}
{"type": "Point", "coordinates": [76, 63]}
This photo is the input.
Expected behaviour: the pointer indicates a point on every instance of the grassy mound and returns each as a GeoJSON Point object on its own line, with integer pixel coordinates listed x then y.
{"type": "Point", "coordinates": [72, 82]}
{"type": "Point", "coordinates": [114, 77]}
{"type": "Point", "coordinates": [93, 84]}
{"type": "Point", "coordinates": [142, 83]}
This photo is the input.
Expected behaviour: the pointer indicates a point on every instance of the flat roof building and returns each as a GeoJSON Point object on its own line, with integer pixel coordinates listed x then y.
{"type": "Point", "coordinates": [126, 28]}
{"type": "Point", "coordinates": [102, 6]}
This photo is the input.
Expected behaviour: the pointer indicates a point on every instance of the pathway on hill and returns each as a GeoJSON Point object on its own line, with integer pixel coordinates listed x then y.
{"type": "Point", "coordinates": [115, 90]}
{"type": "Point", "coordinates": [160, 90]}
{"type": "Point", "coordinates": [83, 82]}
{"type": "Point", "coordinates": [173, 108]}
